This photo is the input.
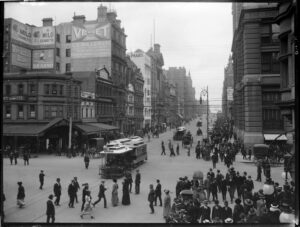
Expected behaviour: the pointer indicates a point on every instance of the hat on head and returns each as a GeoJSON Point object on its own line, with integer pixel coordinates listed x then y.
{"type": "Point", "coordinates": [85, 184]}
{"type": "Point", "coordinates": [274, 205]}
{"type": "Point", "coordinates": [180, 178]}
{"type": "Point", "coordinates": [248, 202]}
{"type": "Point", "coordinates": [185, 177]}
{"type": "Point", "coordinates": [42, 170]}
{"type": "Point", "coordinates": [228, 220]}
{"type": "Point", "coordinates": [50, 196]}
{"type": "Point", "coordinates": [238, 201]}
{"type": "Point", "coordinates": [58, 179]}
{"type": "Point", "coordinates": [252, 211]}
{"type": "Point", "coordinates": [166, 191]}
{"type": "Point", "coordinates": [245, 172]}
{"type": "Point", "coordinates": [75, 177]}
{"type": "Point", "coordinates": [19, 182]}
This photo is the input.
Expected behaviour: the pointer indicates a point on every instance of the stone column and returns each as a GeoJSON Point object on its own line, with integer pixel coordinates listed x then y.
{"type": "Point", "coordinates": [253, 110]}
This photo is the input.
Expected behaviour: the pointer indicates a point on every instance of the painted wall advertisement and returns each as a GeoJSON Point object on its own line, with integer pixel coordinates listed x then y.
{"type": "Point", "coordinates": [43, 59]}
{"type": "Point", "coordinates": [21, 56]}
{"type": "Point", "coordinates": [90, 32]}
{"type": "Point", "coordinates": [93, 49]}
{"type": "Point", "coordinates": [230, 94]}
{"type": "Point", "coordinates": [35, 36]}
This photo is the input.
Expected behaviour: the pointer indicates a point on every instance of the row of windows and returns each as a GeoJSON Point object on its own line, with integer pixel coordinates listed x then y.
{"type": "Point", "coordinates": [271, 115]}
{"type": "Point", "coordinates": [87, 112]}
{"type": "Point", "coordinates": [68, 67]}
{"type": "Point", "coordinates": [104, 109]}
{"type": "Point", "coordinates": [20, 91]}
{"type": "Point", "coordinates": [20, 111]}
{"type": "Point", "coordinates": [68, 38]}
{"type": "Point", "coordinates": [68, 52]}
{"type": "Point", "coordinates": [53, 89]}
{"type": "Point", "coordinates": [104, 90]}
{"type": "Point", "coordinates": [270, 97]}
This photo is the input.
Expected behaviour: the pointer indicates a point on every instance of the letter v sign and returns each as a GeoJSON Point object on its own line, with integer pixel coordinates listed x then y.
{"type": "Point", "coordinates": [78, 32]}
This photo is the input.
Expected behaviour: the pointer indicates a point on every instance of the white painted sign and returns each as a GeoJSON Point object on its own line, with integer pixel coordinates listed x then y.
{"type": "Point", "coordinates": [93, 49]}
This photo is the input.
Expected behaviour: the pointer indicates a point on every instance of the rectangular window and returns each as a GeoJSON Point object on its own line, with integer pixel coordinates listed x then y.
{"type": "Point", "coordinates": [20, 111]}
{"type": "Point", "coordinates": [61, 89]}
{"type": "Point", "coordinates": [68, 67]}
{"type": "Point", "coordinates": [20, 89]}
{"type": "Point", "coordinates": [57, 52]}
{"type": "Point", "coordinates": [32, 111]}
{"type": "Point", "coordinates": [269, 62]}
{"type": "Point", "coordinates": [57, 66]}
{"type": "Point", "coordinates": [58, 38]}
{"type": "Point", "coordinates": [54, 89]}
{"type": "Point", "coordinates": [7, 89]}
{"type": "Point", "coordinates": [68, 38]}
{"type": "Point", "coordinates": [7, 111]}
{"type": "Point", "coordinates": [32, 89]}
{"type": "Point", "coordinates": [68, 52]}
{"type": "Point", "coordinates": [284, 74]}
{"type": "Point", "coordinates": [47, 89]}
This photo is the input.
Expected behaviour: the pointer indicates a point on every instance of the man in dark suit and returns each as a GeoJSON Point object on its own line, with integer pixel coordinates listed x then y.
{"type": "Point", "coordinates": [72, 192]}
{"type": "Point", "coordinates": [239, 182]}
{"type": "Point", "coordinates": [57, 191]}
{"type": "Point", "coordinates": [137, 182]}
{"type": "Point", "coordinates": [41, 177]}
{"type": "Point", "coordinates": [50, 212]}
{"type": "Point", "coordinates": [101, 194]}
{"type": "Point", "coordinates": [226, 211]}
{"type": "Point", "coordinates": [205, 211]}
{"type": "Point", "coordinates": [158, 193]}
{"type": "Point", "coordinates": [216, 211]}
{"type": "Point", "coordinates": [77, 187]}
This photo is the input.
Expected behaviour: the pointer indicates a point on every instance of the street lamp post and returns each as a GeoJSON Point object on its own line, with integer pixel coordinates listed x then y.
{"type": "Point", "coordinates": [204, 92]}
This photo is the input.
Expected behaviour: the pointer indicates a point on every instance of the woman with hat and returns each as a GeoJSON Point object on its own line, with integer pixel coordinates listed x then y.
{"type": "Point", "coordinates": [21, 195]}
{"type": "Point", "coordinates": [260, 203]}
{"type": "Point", "coordinates": [167, 204]}
{"type": "Point", "coordinates": [237, 210]}
{"type": "Point", "coordinates": [114, 193]}
{"type": "Point", "coordinates": [251, 216]}
{"type": "Point", "coordinates": [248, 203]}
{"type": "Point", "coordinates": [88, 208]}
{"type": "Point", "coordinates": [274, 213]}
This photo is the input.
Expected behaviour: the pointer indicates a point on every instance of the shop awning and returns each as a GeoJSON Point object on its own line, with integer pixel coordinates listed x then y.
{"type": "Point", "coordinates": [271, 137]}
{"type": "Point", "coordinates": [23, 129]}
{"type": "Point", "coordinates": [87, 129]}
{"type": "Point", "coordinates": [104, 127]}
{"type": "Point", "coordinates": [180, 116]}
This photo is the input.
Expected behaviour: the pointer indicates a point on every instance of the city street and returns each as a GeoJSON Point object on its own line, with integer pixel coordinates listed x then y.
{"type": "Point", "coordinates": [167, 169]}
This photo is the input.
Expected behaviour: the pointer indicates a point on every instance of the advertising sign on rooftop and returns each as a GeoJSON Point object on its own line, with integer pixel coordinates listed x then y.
{"type": "Point", "coordinates": [21, 56]}
{"type": "Point", "coordinates": [43, 59]}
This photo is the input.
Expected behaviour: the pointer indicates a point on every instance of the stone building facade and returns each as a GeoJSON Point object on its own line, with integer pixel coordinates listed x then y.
{"type": "Point", "coordinates": [227, 94]}
{"type": "Point", "coordinates": [256, 71]}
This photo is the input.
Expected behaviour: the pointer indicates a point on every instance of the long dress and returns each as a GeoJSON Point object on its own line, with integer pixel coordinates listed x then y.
{"type": "Point", "coordinates": [21, 196]}
{"type": "Point", "coordinates": [88, 209]}
{"type": "Point", "coordinates": [126, 197]}
{"type": "Point", "coordinates": [114, 195]}
{"type": "Point", "coordinates": [167, 206]}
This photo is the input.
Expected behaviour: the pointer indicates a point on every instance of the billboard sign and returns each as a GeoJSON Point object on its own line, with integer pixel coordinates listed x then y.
{"type": "Point", "coordinates": [34, 36]}
{"type": "Point", "coordinates": [92, 49]}
{"type": "Point", "coordinates": [230, 94]}
{"type": "Point", "coordinates": [21, 56]}
{"type": "Point", "coordinates": [43, 59]}
{"type": "Point", "coordinates": [90, 32]}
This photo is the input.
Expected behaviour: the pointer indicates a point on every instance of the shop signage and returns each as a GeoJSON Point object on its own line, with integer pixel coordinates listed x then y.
{"type": "Point", "coordinates": [21, 56]}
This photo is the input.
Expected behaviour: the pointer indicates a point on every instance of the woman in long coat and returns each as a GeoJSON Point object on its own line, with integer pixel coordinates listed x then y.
{"type": "Point", "coordinates": [21, 195]}
{"type": "Point", "coordinates": [126, 197]}
{"type": "Point", "coordinates": [167, 204]}
{"type": "Point", "coordinates": [114, 194]}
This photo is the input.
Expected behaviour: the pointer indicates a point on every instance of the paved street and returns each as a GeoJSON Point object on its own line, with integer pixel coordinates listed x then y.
{"type": "Point", "coordinates": [167, 169]}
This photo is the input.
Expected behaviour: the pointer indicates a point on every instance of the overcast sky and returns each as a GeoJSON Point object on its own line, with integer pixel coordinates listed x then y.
{"type": "Point", "coordinates": [197, 36]}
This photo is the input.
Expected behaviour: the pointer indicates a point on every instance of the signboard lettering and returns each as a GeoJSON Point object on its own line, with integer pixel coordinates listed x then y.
{"type": "Point", "coordinates": [90, 32]}
{"type": "Point", "coordinates": [43, 59]}
{"type": "Point", "coordinates": [21, 56]}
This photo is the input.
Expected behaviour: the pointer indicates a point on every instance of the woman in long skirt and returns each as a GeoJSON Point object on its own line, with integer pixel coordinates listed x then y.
{"type": "Point", "coordinates": [126, 197]}
{"type": "Point", "coordinates": [21, 195]}
{"type": "Point", "coordinates": [114, 194]}
{"type": "Point", "coordinates": [167, 204]}
{"type": "Point", "coordinates": [88, 208]}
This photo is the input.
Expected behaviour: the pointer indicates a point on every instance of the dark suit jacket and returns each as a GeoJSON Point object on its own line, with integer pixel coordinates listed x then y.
{"type": "Point", "coordinates": [102, 189]}
{"type": "Point", "coordinates": [205, 213]}
{"type": "Point", "coordinates": [71, 190]}
{"type": "Point", "coordinates": [57, 189]}
{"type": "Point", "coordinates": [216, 212]}
{"type": "Point", "coordinates": [50, 208]}
{"type": "Point", "coordinates": [138, 178]}
{"type": "Point", "coordinates": [158, 189]}
{"type": "Point", "coordinates": [226, 213]}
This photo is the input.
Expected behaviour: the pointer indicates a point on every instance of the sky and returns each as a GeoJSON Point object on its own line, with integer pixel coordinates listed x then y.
{"type": "Point", "coordinates": [197, 36]}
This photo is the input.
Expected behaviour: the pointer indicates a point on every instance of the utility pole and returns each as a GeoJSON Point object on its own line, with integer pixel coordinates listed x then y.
{"type": "Point", "coordinates": [204, 92]}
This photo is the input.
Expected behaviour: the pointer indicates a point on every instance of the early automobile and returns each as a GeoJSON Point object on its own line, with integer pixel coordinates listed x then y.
{"type": "Point", "coordinates": [179, 133]}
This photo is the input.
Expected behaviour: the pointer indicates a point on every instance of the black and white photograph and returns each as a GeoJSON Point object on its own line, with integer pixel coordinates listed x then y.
{"type": "Point", "coordinates": [150, 112]}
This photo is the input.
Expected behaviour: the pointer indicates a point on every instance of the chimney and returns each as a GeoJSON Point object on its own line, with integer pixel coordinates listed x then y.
{"type": "Point", "coordinates": [111, 16]}
{"type": "Point", "coordinates": [79, 19]}
{"type": "Point", "coordinates": [102, 12]}
{"type": "Point", "coordinates": [156, 48]}
{"type": "Point", "coordinates": [118, 23]}
{"type": "Point", "coordinates": [47, 22]}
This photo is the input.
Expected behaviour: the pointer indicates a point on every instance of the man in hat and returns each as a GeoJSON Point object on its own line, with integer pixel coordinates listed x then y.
{"type": "Point", "coordinates": [50, 212]}
{"type": "Point", "coordinates": [158, 193]}
{"type": "Point", "coordinates": [151, 198]}
{"type": "Point", "coordinates": [226, 211]}
{"type": "Point", "coordinates": [224, 188]}
{"type": "Point", "coordinates": [57, 191]}
{"type": "Point", "coordinates": [71, 193]}
{"type": "Point", "coordinates": [207, 183]}
{"type": "Point", "coordinates": [77, 187]}
{"type": "Point", "coordinates": [84, 193]}
{"type": "Point", "coordinates": [86, 160]}
{"type": "Point", "coordinates": [178, 187]}
{"type": "Point", "coordinates": [129, 178]}
{"type": "Point", "coordinates": [137, 182]}
{"type": "Point", "coordinates": [163, 148]}
{"type": "Point", "coordinates": [211, 174]}
{"type": "Point", "coordinates": [219, 177]}
{"type": "Point", "coordinates": [205, 211]}
{"type": "Point", "coordinates": [237, 211]}
{"type": "Point", "coordinates": [214, 189]}
{"type": "Point", "coordinates": [239, 182]}
{"type": "Point", "coordinates": [101, 194]}
{"type": "Point", "coordinates": [259, 170]}
{"type": "Point", "coordinates": [41, 178]}
{"type": "Point", "coordinates": [249, 184]}
{"type": "Point", "coordinates": [216, 211]}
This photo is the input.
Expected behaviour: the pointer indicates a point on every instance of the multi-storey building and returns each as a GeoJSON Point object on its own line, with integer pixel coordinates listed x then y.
{"type": "Point", "coordinates": [227, 94]}
{"type": "Point", "coordinates": [143, 62]}
{"type": "Point", "coordinates": [37, 107]}
{"type": "Point", "coordinates": [189, 98]}
{"type": "Point", "coordinates": [255, 50]}
{"type": "Point", "coordinates": [157, 62]}
{"type": "Point", "coordinates": [287, 21]}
